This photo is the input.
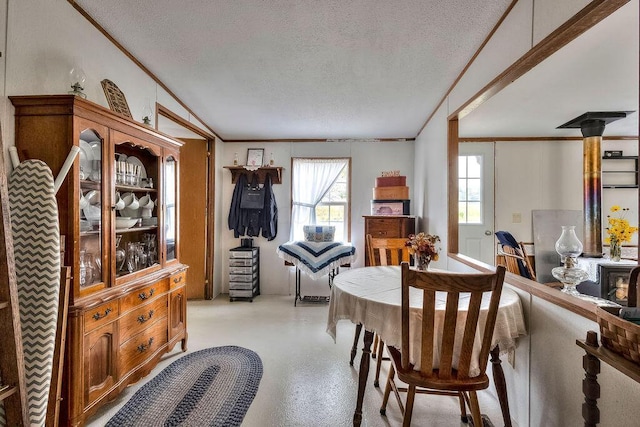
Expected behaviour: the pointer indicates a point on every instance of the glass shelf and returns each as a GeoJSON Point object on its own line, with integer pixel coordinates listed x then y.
{"type": "Point", "coordinates": [135, 229]}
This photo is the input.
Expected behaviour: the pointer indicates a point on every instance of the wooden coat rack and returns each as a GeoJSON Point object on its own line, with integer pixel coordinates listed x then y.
{"type": "Point", "coordinates": [262, 172]}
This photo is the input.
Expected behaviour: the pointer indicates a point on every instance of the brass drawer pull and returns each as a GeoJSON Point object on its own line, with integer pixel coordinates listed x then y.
{"type": "Point", "coordinates": [143, 296]}
{"type": "Point", "coordinates": [144, 347]}
{"type": "Point", "coordinates": [177, 279]}
{"type": "Point", "coordinates": [99, 316]}
{"type": "Point", "coordinates": [143, 319]}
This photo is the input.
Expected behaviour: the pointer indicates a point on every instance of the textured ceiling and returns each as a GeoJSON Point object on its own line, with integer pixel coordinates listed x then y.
{"type": "Point", "coordinates": [277, 69]}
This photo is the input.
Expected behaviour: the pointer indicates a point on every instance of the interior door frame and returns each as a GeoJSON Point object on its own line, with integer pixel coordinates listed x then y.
{"type": "Point", "coordinates": [211, 190]}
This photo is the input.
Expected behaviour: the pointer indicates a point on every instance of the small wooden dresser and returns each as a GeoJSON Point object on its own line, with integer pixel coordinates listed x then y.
{"type": "Point", "coordinates": [388, 226]}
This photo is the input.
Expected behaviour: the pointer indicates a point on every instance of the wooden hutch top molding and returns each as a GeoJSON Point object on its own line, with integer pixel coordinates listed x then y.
{"type": "Point", "coordinates": [39, 105]}
{"type": "Point", "coordinates": [262, 172]}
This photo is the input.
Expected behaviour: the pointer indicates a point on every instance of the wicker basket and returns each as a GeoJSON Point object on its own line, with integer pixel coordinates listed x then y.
{"type": "Point", "coordinates": [619, 335]}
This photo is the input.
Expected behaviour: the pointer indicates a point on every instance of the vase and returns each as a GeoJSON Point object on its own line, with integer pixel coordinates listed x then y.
{"type": "Point", "coordinates": [615, 250]}
{"type": "Point", "coordinates": [422, 261]}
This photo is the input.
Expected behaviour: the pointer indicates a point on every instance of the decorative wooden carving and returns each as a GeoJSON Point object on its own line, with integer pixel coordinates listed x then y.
{"type": "Point", "coordinates": [594, 353]}
{"type": "Point", "coordinates": [115, 98]}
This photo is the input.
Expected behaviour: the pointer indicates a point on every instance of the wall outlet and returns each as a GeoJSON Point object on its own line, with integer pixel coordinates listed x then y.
{"type": "Point", "coordinates": [516, 218]}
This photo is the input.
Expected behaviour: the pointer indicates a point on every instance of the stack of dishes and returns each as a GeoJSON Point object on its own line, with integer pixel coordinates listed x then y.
{"type": "Point", "coordinates": [122, 223]}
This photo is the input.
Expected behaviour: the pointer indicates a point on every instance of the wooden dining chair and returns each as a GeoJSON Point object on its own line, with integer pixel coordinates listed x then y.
{"type": "Point", "coordinates": [515, 258]}
{"type": "Point", "coordinates": [632, 292]}
{"type": "Point", "coordinates": [515, 255]}
{"type": "Point", "coordinates": [447, 372]}
{"type": "Point", "coordinates": [381, 251]}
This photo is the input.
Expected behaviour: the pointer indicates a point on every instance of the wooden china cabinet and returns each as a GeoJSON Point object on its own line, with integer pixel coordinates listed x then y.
{"type": "Point", "coordinates": [127, 303]}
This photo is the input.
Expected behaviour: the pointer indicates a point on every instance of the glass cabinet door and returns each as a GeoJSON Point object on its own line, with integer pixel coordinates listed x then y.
{"type": "Point", "coordinates": [91, 198]}
{"type": "Point", "coordinates": [135, 201]}
{"type": "Point", "coordinates": [170, 213]}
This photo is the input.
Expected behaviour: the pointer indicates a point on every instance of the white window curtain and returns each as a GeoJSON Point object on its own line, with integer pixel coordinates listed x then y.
{"type": "Point", "coordinates": [311, 179]}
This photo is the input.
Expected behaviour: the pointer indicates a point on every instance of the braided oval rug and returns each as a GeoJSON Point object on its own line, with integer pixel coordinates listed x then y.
{"type": "Point", "coordinates": [212, 387]}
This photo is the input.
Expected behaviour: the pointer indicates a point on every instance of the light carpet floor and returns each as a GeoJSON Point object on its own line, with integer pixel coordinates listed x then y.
{"type": "Point", "coordinates": [307, 380]}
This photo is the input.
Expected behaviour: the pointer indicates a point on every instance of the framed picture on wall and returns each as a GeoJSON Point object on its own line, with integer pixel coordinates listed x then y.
{"type": "Point", "coordinates": [255, 156]}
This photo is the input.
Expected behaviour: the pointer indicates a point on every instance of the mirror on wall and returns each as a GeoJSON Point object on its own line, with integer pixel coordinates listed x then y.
{"type": "Point", "coordinates": [536, 165]}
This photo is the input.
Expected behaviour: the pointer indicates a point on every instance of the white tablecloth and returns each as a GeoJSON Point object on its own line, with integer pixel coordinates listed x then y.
{"type": "Point", "coordinates": [592, 265]}
{"type": "Point", "coordinates": [372, 296]}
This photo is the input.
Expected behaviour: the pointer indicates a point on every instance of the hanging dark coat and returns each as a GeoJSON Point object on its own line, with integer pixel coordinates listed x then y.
{"type": "Point", "coordinates": [252, 218]}
{"type": "Point", "coordinates": [269, 212]}
{"type": "Point", "coordinates": [235, 213]}
{"type": "Point", "coordinates": [251, 222]}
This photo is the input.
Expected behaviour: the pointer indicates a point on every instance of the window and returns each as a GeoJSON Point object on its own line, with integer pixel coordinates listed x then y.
{"type": "Point", "coordinates": [332, 209]}
{"type": "Point", "coordinates": [320, 195]}
{"type": "Point", "coordinates": [470, 189]}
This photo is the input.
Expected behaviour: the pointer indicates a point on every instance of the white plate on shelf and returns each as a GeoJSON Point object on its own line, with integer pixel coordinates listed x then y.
{"type": "Point", "coordinates": [92, 213]}
{"type": "Point", "coordinates": [86, 158]}
{"type": "Point", "coordinates": [128, 212]}
{"type": "Point", "coordinates": [136, 161]}
{"type": "Point", "coordinates": [96, 149]}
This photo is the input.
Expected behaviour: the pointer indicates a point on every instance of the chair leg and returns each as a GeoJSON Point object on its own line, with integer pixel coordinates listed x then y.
{"type": "Point", "coordinates": [376, 382]}
{"type": "Point", "coordinates": [408, 411]}
{"type": "Point", "coordinates": [387, 390]}
{"type": "Point", "coordinates": [355, 343]}
{"type": "Point", "coordinates": [463, 408]}
{"type": "Point", "coordinates": [475, 409]}
{"type": "Point", "coordinates": [375, 345]}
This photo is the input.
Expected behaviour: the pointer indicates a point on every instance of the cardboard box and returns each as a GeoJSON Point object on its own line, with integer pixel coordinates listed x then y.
{"type": "Point", "coordinates": [391, 193]}
{"type": "Point", "coordinates": [390, 207]}
{"type": "Point", "coordinates": [391, 181]}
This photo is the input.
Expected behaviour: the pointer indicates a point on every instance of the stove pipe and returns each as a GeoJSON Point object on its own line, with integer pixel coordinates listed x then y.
{"type": "Point", "coordinates": [592, 126]}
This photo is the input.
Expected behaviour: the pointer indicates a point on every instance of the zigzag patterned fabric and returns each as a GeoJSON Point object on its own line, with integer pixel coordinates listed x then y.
{"type": "Point", "coordinates": [36, 240]}
{"type": "Point", "coordinates": [316, 259]}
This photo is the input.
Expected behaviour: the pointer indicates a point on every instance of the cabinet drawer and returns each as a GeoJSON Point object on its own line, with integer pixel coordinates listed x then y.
{"type": "Point", "coordinates": [143, 345]}
{"type": "Point", "coordinates": [178, 279]}
{"type": "Point", "coordinates": [242, 254]}
{"type": "Point", "coordinates": [242, 262]}
{"type": "Point", "coordinates": [243, 270]}
{"type": "Point", "coordinates": [242, 293]}
{"type": "Point", "coordinates": [242, 285]}
{"type": "Point", "coordinates": [384, 227]}
{"type": "Point", "coordinates": [100, 315]}
{"type": "Point", "coordinates": [143, 295]}
{"type": "Point", "coordinates": [242, 277]}
{"type": "Point", "coordinates": [141, 317]}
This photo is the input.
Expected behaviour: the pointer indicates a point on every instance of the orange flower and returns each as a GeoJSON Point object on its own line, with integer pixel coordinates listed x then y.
{"type": "Point", "coordinates": [424, 245]}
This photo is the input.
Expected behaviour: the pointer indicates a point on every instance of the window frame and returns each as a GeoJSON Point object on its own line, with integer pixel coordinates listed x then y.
{"type": "Point", "coordinates": [348, 216]}
{"type": "Point", "coordinates": [466, 200]}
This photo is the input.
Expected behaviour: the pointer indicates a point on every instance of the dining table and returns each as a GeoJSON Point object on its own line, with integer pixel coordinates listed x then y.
{"type": "Point", "coordinates": [371, 296]}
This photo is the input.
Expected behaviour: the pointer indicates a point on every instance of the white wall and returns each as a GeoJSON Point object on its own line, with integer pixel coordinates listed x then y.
{"type": "Point", "coordinates": [45, 39]}
{"type": "Point", "coordinates": [368, 160]}
{"type": "Point", "coordinates": [545, 384]}
{"type": "Point", "coordinates": [548, 175]}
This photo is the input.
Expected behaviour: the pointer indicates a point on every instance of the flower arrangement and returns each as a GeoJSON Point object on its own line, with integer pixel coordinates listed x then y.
{"type": "Point", "coordinates": [423, 247]}
{"type": "Point", "coordinates": [618, 231]}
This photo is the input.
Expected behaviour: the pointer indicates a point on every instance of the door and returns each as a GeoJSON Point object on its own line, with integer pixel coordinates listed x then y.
{"type": "Point", "coordinates": [193, 214]}
{"type": "Point", "coordinates": [476, 201]}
